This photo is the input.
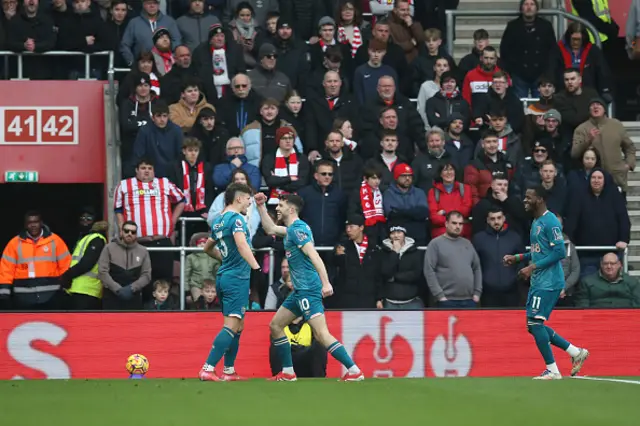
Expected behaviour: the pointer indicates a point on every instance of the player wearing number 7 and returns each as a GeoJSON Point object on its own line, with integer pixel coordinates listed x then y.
{"type": "Point", "coordinates": [547, 281]}
{"type": "Point", "coordinates": [310, 285]}
{"type": "Point", "coordinates": [229, 243]}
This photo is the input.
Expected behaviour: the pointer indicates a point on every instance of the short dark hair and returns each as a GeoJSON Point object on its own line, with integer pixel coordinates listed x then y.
{"type": "Point", "coordinates": [453, 213]}
{"type": "Point", "coordinates": [441, 168]}
{"type": "Point", "coordinates": [293, 199]}
{"type": "Point", "coordinates": [490, 133]}
{"type": "Point", "coordinates": [572, 69]}
{"type": "Point", "coordinates": [189, 82]}
{"type": "Point", "coordinates": [370, 171]}
{"type": "Point", "coordinates": [480, 34]}
{"type": "Point", "coordinates": [130, 223]}
{"type": "Point", "coordinates": [160, 107]}
{"type": "Point", "coordinates": [387, 133]}
{"type": "Point", "coordinates": [490, 49]}
{"type": "Point", "coordinates": [499, 176]}
{"type": "Point", "coordinates": [382, 21]}
{"type": "Point", "coordinates": [233, 189]}
{"type": "Point", "coordinates": [495, 209]}
{"type": "Point", "coordinates": [114, 3]}
{"type": "Point", "coordinates": [321, 163]}
{"type": "Point", "coordinates": [161, 284]}
{"type": "Point", "coordinates": [32, 213]}
{"type": "Point", "coordinates": [242, 172]}
{"type": "Point", "coordinates": [385, 109]}
{"type": "Point", "coordinates": [541, 192]}
{"type": "Point", "coordinates": [145, 160]}
{"type": "Point", "coordinates": [334, 54]}
{"type": "Point", "coordinates": [498, 112]}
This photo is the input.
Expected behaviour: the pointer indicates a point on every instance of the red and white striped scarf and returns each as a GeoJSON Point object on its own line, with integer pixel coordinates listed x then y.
{"type": "Point", "coordinates": [167, 59]}
{"type": "Point", "coordinates": [186, 182]}
{"type": "Point", "coordinates": [324, 45]}
{"type": "Point", "coordinates": [155, 83]}
{"type": "Point", "coordinates": [281, 170]}
{"type": "Point", "coordinates": [362, 247]}
{"type": "Point", "coordinates": [356, 41]}
{"type": "Point", "coordinates": [371, 201]}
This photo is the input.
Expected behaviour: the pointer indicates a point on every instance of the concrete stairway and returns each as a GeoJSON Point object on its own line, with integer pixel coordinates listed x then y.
{"type": "Point", "coordinates": [633, 200]}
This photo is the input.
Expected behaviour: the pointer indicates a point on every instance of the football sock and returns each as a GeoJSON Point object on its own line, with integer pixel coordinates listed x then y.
{"type": "Point", "coordinates": [553, 368]}
{"type": "Point", "coordinates": [572, 350]}
{"type": "Point", "coordinates": [231, 353]}
{"type": "Point", "coordinates": [220, 345]}
{"type": "Point", "coordinates": [556, 339]}
{"type": "Point", "coordinates": [283, 349]}
{"type": "Point", "coordinates": [340, 353]}
{"type": "Point", "coordinates": [542, 342]}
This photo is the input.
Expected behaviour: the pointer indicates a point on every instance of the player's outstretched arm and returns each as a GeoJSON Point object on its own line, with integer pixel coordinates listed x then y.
{"type": "Point", "coordinates": [269, 227]}
{"type": "Point", "coordinates": [310, 251]}
{"type": "Point", "coordinates": [244, 250]}
{"type": "Point", "coordinates": [211, 250]}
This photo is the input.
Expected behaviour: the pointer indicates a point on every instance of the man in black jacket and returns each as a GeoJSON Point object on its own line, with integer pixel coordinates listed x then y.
{"type": "Point", "coordinates": [497, 196]}
{"type": "Point", "coordinates": [499, 97]}
{"type": "Point", "coordinates": [31, 30]}
{"type": "Point", "coordinates": [303, 16]}
{"type": "Point", "coordinates": [240, 105]}
{"type": "Point", "coordinates": [292, 54]}
{"type": "Point", "coordinates": [528, 44]}
{"type": "Point", "coordinates": [116, 24]}
{"type": "Point", "coordinates": [347, 164]}
{"type": "Point", "coordinates": [449, 101]}
{"type": "Point", "coordinates": [135, 112]}
{"type": "Point", "coordinates": [182, 69]}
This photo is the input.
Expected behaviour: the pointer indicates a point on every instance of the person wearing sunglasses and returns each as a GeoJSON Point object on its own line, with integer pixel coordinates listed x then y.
{"type": "Point", "coordinates": [528, 172]}
{"type": "Point", "coordinates": [124, 268]}
{"type": "Point", "coordinates": [268, 82]}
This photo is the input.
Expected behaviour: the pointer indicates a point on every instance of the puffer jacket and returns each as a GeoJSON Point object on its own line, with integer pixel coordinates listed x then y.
{"type": "Point", "coordinates": [122, 265]}
{"type": "Point", "coordinates": [199, 267]}
{"type": "Point", "coordinates": [401, 272]}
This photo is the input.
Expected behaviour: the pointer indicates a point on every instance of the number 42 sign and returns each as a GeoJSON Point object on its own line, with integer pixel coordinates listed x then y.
{"type": "Point", "coordinates": [39, 125]}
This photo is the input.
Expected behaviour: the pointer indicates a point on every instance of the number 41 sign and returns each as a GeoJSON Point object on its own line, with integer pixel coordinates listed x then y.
{"type": "Point", "coordinates": [39, 125]}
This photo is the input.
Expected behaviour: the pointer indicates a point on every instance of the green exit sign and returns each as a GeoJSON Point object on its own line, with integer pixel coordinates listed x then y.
{"type": "Point", "coordinates": [21, 177]}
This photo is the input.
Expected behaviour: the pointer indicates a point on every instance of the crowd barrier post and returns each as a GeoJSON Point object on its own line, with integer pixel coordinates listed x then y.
{"type": "Point", "coordinates": [87, 59]}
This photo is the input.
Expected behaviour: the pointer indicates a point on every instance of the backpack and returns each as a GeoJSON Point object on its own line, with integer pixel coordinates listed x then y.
{"type": "Point", "coordinates": [436, 192]}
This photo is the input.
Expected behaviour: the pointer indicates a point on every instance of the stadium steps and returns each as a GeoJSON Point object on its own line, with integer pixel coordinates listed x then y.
{"type": "Point", "coordinates": [633, 201]}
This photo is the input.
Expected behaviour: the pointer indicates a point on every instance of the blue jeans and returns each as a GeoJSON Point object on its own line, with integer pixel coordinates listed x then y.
{"type": "Point", "coordinates": [458, 304]}
{"type": "Point", "coordinates": [522, 87]}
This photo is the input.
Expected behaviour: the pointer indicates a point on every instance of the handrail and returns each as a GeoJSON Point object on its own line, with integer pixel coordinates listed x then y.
{"type": "Point", "coordinates": [87, 58]}
{"type": "Point", "coordinates": [184, 249]}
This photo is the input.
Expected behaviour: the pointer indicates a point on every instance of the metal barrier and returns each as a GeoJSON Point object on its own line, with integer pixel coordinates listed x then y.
{"type": "Point", "coordinates": [87, 59]}
{"type": "Point", "coordinates": [184, 249]}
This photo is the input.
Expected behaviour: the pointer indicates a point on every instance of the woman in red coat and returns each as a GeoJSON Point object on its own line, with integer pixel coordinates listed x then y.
{"type": "Point", "coordinates": [446, 196]}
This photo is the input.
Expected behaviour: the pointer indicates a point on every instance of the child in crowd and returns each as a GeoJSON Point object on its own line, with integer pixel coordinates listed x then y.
{"type": "Point", "coordinates": [208, 300]}
{"type": "Point", "coordinates": [162, 301]}
{"type": "Point", "coordinates": [199, 267]}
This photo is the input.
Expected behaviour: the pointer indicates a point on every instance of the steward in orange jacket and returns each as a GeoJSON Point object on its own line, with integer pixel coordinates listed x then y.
{"type": "Point", "coordinates": [31, 266]}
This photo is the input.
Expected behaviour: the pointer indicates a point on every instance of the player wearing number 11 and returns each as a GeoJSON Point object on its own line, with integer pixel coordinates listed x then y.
{"type": "Point", "coordinates": [546, 282]}
{"type": "Point", "coordinates": [310, 285]}
{"type": "Point", "coordinates": [229, 243]}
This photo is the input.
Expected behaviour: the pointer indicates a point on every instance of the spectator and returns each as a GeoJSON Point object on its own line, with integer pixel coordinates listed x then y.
{"type": "Point", "coordinates": [160, 140]}
{"type": "Point", "coordinates": [259, 137]}
{"type": "Point", "coordinates": [405, 32]}
{"type": "Point", "coordinates": [294, 112]}
{"type": "Point", "coordinates": [428, 53]}
{"type": "Point", "coordinates": [407, 204]}
{"type": "Point", "coordinates": [529, 171]}
{"type": "Point", "coordinates": [309, 357]}
{"type": "Point", "coordinates": [236, 159]}
{"type": "Point", "coordinates": [597, 217]}
{"type": "Point", "coordinates": [344, 126]}
{"type": "Point", "coordinates": [180, 71]}
{"type": "Point", "coordinates": [59, 11]}
{"type": "Point", "coordinates": [279, 290]}
{"type": "Point", "coordinates": [162, 51]}
{"type": "Point", "coordinates": [9, 10]}
{"type": "Point", "coordinates": [322, 110]}
{"type": "Point", "coordinates": [81, 279]}
{"type": "Point", "coordinates": [138, 36]}
{"type": "Point", "coordinates": [263, 240]}
{"type": "Point", "coordinates": [161, 301]}
{"type": "Point", "coordinates": [252, 217]}
{"type": "Point", "coordinates": [185, 112]}
{"type": "Point", "coordinates": [303, 16]}
{"type": "Point", "coordinates": [358, 268]}
{"type": "Point", "coordinates": [601, 19]}
{"type": "Point", "coordinates": [31, 30]}
{"type": "Point", "coordinates": [570, 268]}
{"type": "Point", "coordinates": [499, 282]}
{"type": "Point", "coordinates": [286, 170]}
{"type": "Point", "coordinates": [135, 112]}
{"type": "Point", "coordinates": [31, 266]}
{"type": "Point", "coordinates": [573, 102]}
{"type": "Point", "coordinates": [428, 89]}
{"type": "Point", "coordinates": [292, 54]}
{"type": "Point", "coordinates": [332, 60]}
{"type": "Point", "coordinates": [349, 20]}
{"type": "Point", "coordinates": [527, 45]}
{"type": "Point", "coordinates": [497, 196]}
{"type": "Point", "coordinates": [609, 137]}
{"type": "Point", "coordinates": [427, 164]}
{"type": "Point", "coordinates": [556, 187]}
{"type": "Point", "coordinates": [472, 60]}
{"type": "Point", "coordinates": [499, 97]}
{"type": "Point", "coordinates": [150, 199]}
{"type": "Point", "coordinates": [452, 267]}
{"type": "Point", "coordinates": [394, 57]}
{"type": "Point", "coordinates": [534, 121]}
{"type": "Point", "coordinates": [271, 23]}
{"type": "Point", "coordinates": [217, 62]}
{"type": "Point", "coordinates": [561, 142]}
{"type": "Point", "coordinates": [327, 33]}
{"type": "Point", "coordinates": [146, 65]}
{"type": "Point", "coordinates": [209, 300]}
{"type": "Point", "coordinates": [576, 51]}
{"type": "Point", "coordinates": [387, 157]}
{"type": "Point", "coordinates": [448, 195]}
{"type": "Point", "coordinates": [401, 271]}
{"type": "Point", "coordinates": [194, 25]}
{"type": "Point", "coordinates": [367, 75]}
{"type": "Point", "coordinates": [508, 140]}
{"type": "Point", "coordinates": [324, 205]}
{"type": "Point", "coordinates": [239, 106]}
{"type": "Point", "coordinates": [633, 30]}
{"type": "Point", "coordinates": [260, 7]}
{"type": "Point", "coordinates": [609, 287]}
{"type": "Point", "coordinates": [578, 179]}
{"type": "Point", "coordinates": [447, 103]}
{"type": "Point", "coordinates": [347, 165]}
{"type": "Point", "coordinates": [457, 143]}
{"type": "Point", "coordinates": [246, 32]}
{"type": "Point", "coordinates": [267, 81]}
{"type": "Point", "coordinates": [208, 130]}
{"type": "Point", "coordinates": [200, 267]}
{"type": "Point", "coordinates": [478, 80]}
{"type": "Point", "coordinates": [366, 201]}
{"type": "Point", "coordinates": [124, 268]}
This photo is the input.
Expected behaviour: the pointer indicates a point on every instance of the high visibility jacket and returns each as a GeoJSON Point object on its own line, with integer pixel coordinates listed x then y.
{"type": "Point", "coordinates": [304, 337]}
{"type": "Point", "coordinates": [32, 268]}
{"type": "Point", "coordinates": [601, 9]}
{"type": "Point", "coordinates": [88, 283]}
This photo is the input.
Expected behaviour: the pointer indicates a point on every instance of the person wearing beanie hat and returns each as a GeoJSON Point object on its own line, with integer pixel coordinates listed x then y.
{"type": "Point", "coordinates": [446, 102]}
{"type": "Point", "coordinates": [162, 51]}
{"type": "Point", "coordinates": [266, 80]}
{"type": "Point", "coordinates": [534, 114]}
{"type": "Point", "coordinates": [327, 38]}
{"type": "Point", "coordinates": [135, 112]}
{"type": "Point", "coordinates": [459, 145]}
{"type": "Point", "coordinates": [365, 80]}
{"type": "Point", "coordinates": [528, 173]}
{"type": "Point", "coordinates": [430, 87]}
{"type": "Point", "coordinates": [553, 114]}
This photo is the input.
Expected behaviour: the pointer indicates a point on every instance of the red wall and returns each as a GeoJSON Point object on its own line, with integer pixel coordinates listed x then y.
{"type": "Point", "coordinates": [383, 343]}
{"type": "Point", "coordinates": [619, 11]}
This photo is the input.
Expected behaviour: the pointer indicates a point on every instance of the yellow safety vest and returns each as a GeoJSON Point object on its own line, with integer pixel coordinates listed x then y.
{"type": "Point", "coordinates": [601, 9]}
{"type": "Point", "coordinates": [303, 338]}
{"type": "Point", "coordinates": [88, 283]}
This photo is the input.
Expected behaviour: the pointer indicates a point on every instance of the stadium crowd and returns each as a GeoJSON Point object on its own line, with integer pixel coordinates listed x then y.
{"type": "Point", "coordinates": [306, 97]}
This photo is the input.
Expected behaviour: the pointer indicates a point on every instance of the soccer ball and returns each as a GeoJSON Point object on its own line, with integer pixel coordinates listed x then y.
{"type": "Point", "coordinates": [137, 364]}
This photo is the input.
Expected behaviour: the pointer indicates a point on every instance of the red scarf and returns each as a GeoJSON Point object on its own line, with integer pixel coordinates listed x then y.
{"type": "Point", "coordinates": [155, 84]}
{"type": "Point", "coordinates": [186, 182]}
{"type": "Point", "coordinates": [223, 89]}
{"type": "Point", "coordinates": [362, 247]}
{"type": "Point", "coordinates": [371, 202]}
{"type": "Point", "coordinates": [282, 170]}
{"type": "Point", "coordinates": [324, 45]}
{"type": "Point", "coordinates": [167, 59]}
{"type": "Point", "coordinates": [355, 43]}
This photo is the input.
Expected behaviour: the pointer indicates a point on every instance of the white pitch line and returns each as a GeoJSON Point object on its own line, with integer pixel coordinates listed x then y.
{"type": "Point", "coordinates": [599, 379]}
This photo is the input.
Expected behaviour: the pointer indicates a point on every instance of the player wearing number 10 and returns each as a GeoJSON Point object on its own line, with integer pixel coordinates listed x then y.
{"type": "Point", "coordinates": [547, 281]}
{"type": "Point", "coordinates": [310, 285]}
{"type": "Point", "coordinates": [229, 243]}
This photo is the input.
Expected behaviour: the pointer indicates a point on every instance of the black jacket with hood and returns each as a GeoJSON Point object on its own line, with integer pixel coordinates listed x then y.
{"type": "Point", "coordinates": [401, 272]}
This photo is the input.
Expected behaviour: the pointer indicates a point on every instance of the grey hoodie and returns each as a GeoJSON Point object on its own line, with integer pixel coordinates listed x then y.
{"type": "Point", "coordinates": [194, 29]}
{"type": "Point", "coordinates": [121, 265]}
{"type": "Point", "coordinates": [139, 32]}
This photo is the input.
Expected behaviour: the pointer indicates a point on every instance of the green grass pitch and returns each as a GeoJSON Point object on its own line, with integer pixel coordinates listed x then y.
{"type": "Point", "coordinates": [394, 402]}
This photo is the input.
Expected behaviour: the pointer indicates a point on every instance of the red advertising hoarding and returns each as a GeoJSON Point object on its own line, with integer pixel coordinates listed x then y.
{"type": "Point", "coordinates": [55, 128]}
{"type": "Point", "coordinates": [383, 343]}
